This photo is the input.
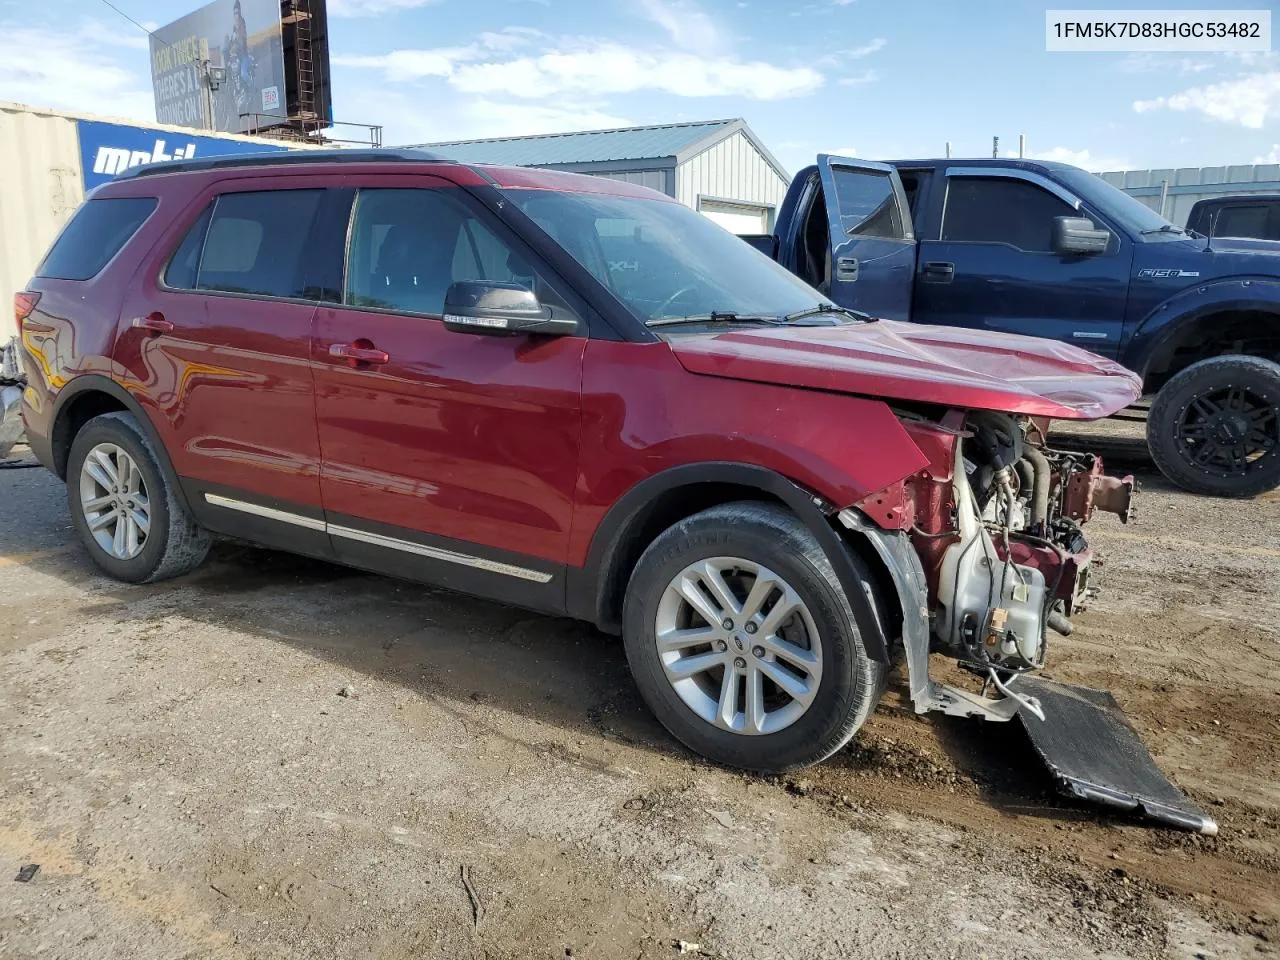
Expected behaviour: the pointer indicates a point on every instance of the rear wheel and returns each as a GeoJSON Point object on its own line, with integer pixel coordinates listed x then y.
{"type": "Point", "coordinates": [123, 507]}
{"type": "Point", "coordinates": [1215, 427]}
{"type": "Point", "coordinates": [743, 643]}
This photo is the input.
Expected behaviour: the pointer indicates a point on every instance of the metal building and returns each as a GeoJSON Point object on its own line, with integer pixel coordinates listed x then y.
{"type": "Point", "coordinates": [717, 167]}
{"type": "Point", "coordinates": [51, 159]}
{"type": "Point", "coordinates": [1173, 192]}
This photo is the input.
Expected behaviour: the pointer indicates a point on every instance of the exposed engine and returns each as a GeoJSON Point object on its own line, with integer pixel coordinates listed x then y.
{"type": "Point", "coordinates": [1017, 562]}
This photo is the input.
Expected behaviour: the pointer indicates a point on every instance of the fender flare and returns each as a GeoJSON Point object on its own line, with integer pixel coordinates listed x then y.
{"type": "Point", "coordinates": [1154, 332]}
{"type": "Point", "coordinates": [97, 383]}
{"type": "Point", "coordinates": [590, 588]}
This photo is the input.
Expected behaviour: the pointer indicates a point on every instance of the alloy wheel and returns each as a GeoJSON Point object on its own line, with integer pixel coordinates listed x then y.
{"type": "Point", "coordinates": [113, 497]}
{"type": "Point", "coordinates": [738, 645]}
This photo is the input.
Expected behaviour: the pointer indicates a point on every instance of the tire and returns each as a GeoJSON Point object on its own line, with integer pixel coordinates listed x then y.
{"type": "Point", "coordinates": [1197, 419]}
{"type": "Point", "coordinates": [171, 543]}
{"type": "Point", "coordinates": [849, 683]}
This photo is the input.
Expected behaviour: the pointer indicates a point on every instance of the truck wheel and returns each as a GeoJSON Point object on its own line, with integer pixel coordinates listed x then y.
{"type": "Point", "coordinates": [742, 641]}
{"type": "Point", "coordinates": [1215, 427]}
{"type": "Point", "coordinates": [123, 507]}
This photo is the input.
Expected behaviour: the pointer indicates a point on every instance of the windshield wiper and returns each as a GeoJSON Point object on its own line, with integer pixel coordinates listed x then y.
{"type": "Point", "coordinates": [715, 316]}
{"type": "Point", "coordinates": [822, 308]}
{"type": "Point", "coordinates": [1167, 228]}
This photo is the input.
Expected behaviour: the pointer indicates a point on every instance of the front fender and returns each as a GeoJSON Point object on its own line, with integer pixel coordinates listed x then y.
{"type": "Point", "coordinates": [594, 589]}
{"type": "Point", "coordinates": [1172, 319]}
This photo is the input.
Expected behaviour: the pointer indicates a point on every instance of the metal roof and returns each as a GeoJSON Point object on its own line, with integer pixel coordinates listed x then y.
{"type": "Point", "coordinates": [592, 146]}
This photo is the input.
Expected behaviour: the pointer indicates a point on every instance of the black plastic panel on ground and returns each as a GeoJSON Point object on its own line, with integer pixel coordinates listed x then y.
{"type": "Point", "coordinates": [1095, 755]}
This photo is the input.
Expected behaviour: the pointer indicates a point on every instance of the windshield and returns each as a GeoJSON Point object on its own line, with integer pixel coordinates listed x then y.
{"type": "Point", "coordinates": [1131, 213]}
{"type": "Point", "coordinates": [664, 260]}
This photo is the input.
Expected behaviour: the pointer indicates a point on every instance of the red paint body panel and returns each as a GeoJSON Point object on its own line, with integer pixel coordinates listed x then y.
{"type": "Point", "coordinates": [643, 413]}
{"type": "Point", "coordinates": [468, 437]}
{"type": "Point", "coordinates": [532, 178]}
{"type": "Point", "coordinates": [949, 366]}
{"type": "Point", "coordinates": [230, 390]}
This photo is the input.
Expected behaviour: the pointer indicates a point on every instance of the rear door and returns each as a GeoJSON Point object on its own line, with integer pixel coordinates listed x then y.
{"type": "Point", "coordinates": [215, 343]}
{"type": "Point", "coordinates": [873, 248]}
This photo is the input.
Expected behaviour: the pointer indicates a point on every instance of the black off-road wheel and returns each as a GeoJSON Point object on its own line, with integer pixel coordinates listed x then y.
{"type": "Point", "coordinates": [743, 643]}
{"type": "Point", "coordinates": [1215, 427]}
{"type": "Point", "coordinates": [123, 507]}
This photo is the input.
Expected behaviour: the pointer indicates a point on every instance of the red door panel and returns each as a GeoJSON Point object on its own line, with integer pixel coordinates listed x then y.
{"type": "Point", "coordinates": [459, 436]}
{"type": "Point", "coordinates": [468, 437]}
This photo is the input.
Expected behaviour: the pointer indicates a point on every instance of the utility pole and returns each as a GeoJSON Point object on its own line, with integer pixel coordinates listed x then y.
{"type": "Point", "coordinates": [948, 149]}
{"type": "Point", "coordinates": [995, 148]}
{"type": "Point", "coordinates": [1022, 145]}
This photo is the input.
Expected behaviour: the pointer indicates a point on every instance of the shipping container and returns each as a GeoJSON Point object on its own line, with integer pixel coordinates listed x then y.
{"type": "Point", "coordinates": [52, 158]}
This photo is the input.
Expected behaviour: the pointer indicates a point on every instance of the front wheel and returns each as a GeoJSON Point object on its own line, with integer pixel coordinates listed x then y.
{"type": "Point", "coordinates": [1214, 428]}
{"type": "Point", "coordinates": [743, 643]}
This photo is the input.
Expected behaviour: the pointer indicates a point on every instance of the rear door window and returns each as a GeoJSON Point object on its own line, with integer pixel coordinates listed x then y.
{"type": "Point", "coordinates": [249, 243]}
{"type": "Point", "coordinates": [93, 236]}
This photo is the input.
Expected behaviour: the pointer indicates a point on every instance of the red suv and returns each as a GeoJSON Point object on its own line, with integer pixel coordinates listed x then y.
{"type": "Point", "coordinates": [574, 395]}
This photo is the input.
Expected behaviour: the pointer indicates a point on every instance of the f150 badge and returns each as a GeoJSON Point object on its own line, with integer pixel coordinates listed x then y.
{"type": "Point", "coordinates": [1159, 274]}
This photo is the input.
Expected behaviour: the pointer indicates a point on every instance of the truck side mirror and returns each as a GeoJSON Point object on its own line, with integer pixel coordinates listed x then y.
{"type": "Point", "coordinates": [1079, 236]}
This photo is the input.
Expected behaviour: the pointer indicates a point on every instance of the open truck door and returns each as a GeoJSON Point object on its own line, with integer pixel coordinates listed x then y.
{"type": "Point", "coordinates": [872, 247]}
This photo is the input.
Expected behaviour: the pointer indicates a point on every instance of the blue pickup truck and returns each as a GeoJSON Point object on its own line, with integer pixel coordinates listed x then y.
{"type": "Point", "coordinates": [1050, 250]}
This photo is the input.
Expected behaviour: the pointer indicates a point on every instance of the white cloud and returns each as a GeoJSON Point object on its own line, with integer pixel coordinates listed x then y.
{"type": "Point", "coordinates": [70, 71]}
{"type": "Point", "coordinates": [842, 151]}
{"type": "Point", "coordinates": [689, 27]}
{"type": "Point", "coordinates": [1078, 158]}
{"type": "Point", "coordinates": [875, 46]}
{"type": "Point", "coordinates": [858, 79]}
{"type": "Point", "coordinates": [369, 8]}
{"type": "Point", "coordinates": [1249, 101]}
{"type": "Point", "coordinates": [1272, 157]}
{"type": "Point", "coordinates": [1162, 63]}
{"type": "Point", "coordinates": [839, 58]}
{"type": "Point", "coordinates": [592, 68]}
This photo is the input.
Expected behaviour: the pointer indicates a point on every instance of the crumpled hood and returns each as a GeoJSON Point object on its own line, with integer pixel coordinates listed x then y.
{"type": "Point", "coordinates": [950, 366]}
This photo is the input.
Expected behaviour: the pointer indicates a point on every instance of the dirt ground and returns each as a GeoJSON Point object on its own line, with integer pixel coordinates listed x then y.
{"type": "Point", "coordinates": [180, 762]}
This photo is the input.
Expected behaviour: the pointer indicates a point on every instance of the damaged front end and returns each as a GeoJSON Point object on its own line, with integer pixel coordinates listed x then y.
{"type": "Point", "coordinates": [994, 523]}
{"type": "Point", "coordinates": [988, 557]}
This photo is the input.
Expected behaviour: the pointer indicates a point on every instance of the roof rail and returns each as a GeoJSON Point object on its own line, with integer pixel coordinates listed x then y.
{"type": "Point", "coordinates": [285, 158]}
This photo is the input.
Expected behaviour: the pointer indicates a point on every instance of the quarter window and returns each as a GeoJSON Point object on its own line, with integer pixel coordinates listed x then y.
{"type": "Point", "coordinates": [1002, 210]}
{"type": "Point", "coordinates": [93, 236]}
{"type": "Point", "coordinates": [250, 243]}
{"type": "Point", "coordinates": [408, 245]}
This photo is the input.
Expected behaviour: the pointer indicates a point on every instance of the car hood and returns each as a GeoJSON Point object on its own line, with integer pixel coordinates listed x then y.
{"type": "Point", "coordinates": [950, 366]}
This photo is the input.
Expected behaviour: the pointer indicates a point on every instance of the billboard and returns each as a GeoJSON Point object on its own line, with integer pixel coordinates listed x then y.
{"type": "Point", "coordinates": [108, 149]}
{"type": "Point", "coordinates": [242, 36]}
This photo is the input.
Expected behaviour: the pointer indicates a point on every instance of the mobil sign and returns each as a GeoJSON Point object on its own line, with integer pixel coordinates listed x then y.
{"type": "Point", "coordinates": [108, 149]}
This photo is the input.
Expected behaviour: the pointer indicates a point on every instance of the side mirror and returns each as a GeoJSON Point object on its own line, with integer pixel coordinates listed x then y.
{"type": "Point", "coordinates": [500, 309]}
{"type": "Point", "coordinates": [1077, 236]}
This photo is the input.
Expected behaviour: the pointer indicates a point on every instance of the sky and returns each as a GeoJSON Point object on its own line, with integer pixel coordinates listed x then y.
{"type": "Point", "coordinates": [865, 78]}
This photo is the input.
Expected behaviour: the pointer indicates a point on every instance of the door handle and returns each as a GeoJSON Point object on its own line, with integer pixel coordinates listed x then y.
{"type": "Point", "coordinates": [938, 271]}
{"type": "Point", "coordinates": [362, 351]}
{"type": "Point", "coordinates": [153, 322]}
{"type": "Point", "coordinates": [847, 269]}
